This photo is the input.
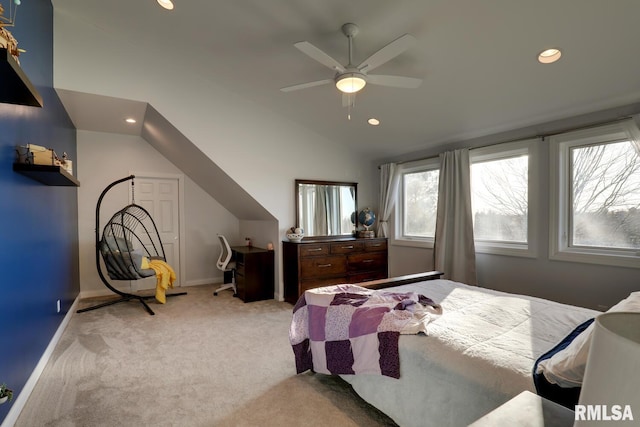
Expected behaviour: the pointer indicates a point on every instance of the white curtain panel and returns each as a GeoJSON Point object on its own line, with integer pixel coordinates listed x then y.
{"type": "Point", "coordinates": [388, 189]}
{"type": "Point", "coordinates": [454, 250]}
{"type": "Point", "coordinates": [320, 225]}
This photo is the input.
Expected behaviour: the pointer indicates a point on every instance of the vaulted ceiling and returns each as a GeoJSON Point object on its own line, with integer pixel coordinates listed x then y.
{"type": "Point", "coordinates": [477, 59]}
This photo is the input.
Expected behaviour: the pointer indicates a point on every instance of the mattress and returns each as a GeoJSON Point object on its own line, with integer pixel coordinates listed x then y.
{"type": "Point", "coordinates": [478, 354]}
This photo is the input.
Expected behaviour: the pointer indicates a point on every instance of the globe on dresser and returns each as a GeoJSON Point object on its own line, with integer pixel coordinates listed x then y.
{"type": "Point", "coordinates": [366, 217]}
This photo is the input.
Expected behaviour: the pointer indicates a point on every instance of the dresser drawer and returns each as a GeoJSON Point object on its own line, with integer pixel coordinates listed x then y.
{"type": "Point", "coordinates": [346, 247]}
{"type": "Point", "coordinates": [314, 250]}
{"type": "Point", "coordinates": [375, 245]}
{"type": "Point", "coordinates": [323, 266]}
{"type": "Point", "coordinates": [367, 261]}
{"type": "Point", "coordinates": [371, 275]}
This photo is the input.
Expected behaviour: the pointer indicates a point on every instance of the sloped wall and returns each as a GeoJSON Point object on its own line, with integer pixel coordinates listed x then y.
{"type": "Point", "coordinates": [106, 157]}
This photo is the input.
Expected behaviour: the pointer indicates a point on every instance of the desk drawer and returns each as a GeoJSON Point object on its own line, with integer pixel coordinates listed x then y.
{"type": "Point", "coordinates": [314, 249]}
{"type": "Point", "coordinates": [367, 261]}
{"type": "Point", "coordinates": [346, 247]}
{"type": "Point", "coordinates": [322, 266]}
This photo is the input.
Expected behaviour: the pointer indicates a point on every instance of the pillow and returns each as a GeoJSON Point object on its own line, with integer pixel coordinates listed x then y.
{"type": "Point", "coordinates": [114, 244]}
{"type": "Point", "coordinates": [566, 367]}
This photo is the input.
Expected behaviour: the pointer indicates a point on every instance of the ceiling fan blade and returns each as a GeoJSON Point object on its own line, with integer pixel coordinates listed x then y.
{"type": "Point", "coordinates": [306, 85]}
{"type": "Point", "coordinates": [394, 81]}
{"type": "Point", "coordinates": [319, 56]}
{"type": "Point", "coordinates": [388, 52]}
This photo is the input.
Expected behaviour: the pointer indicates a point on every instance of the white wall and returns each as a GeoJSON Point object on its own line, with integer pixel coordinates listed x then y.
{"type": "Point", "coordinates": [104, 158]}
{"type": "Point", "coordinates": [260, 150]}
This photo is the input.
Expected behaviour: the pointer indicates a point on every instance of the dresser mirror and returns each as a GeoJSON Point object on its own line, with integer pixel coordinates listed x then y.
{"type": "Point", "coordinates": [326, 208]}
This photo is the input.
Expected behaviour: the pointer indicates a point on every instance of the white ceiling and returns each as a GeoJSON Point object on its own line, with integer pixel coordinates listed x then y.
{"type": "Point", "coordinates": [477, 59]}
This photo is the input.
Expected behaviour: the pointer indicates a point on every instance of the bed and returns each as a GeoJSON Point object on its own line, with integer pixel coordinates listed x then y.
{"type": "Point", "coordinates": [479, 353]}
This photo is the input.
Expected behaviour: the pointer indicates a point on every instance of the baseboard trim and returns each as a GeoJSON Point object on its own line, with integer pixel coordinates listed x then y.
{"type": "Point", "coordinates": [98, 293]}
{"type": "Point", "coordinates": [210, 281]}
{"type": "Point", "coordinates": [23, 396]}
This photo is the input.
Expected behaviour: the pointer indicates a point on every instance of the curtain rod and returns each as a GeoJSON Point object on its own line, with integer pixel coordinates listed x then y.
{"type": "Point", "coordinates": [541, 136]}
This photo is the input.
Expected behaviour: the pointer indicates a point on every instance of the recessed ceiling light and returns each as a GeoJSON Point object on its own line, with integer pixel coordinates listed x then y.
{"type": "Point", "coordinates": [167, 4]}
{"type": "Point", "coordinates": [549, 55]}
{"type": "Point", "coordinates": [373, 121]}
{"type": "Point", "coordinates": [130, 120]}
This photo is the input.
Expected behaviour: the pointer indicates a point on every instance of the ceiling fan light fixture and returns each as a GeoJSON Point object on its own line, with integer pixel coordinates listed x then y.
{"type": "Point", "coordinates": [167, 4]}
{"type": "Point", "coordinates": [350, 82]}
{"type": "Point", "coordinates": [549, 56]}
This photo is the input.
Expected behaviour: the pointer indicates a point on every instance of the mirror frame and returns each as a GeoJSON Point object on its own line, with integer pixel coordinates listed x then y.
{"type": "Point", "coordinates": [316, 182]}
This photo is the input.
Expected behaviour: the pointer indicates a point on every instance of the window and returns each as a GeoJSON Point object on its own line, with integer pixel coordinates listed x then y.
{"type": "Point", "coordinates": [417, 202]}
{"type": "Point", "coordinates": [596, 215]}
{"type": "Point", "coordinates": [501, 193]}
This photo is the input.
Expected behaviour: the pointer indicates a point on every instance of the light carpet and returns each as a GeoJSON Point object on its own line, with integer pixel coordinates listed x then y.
{"type": "Point", "coordinates": [200, 361]}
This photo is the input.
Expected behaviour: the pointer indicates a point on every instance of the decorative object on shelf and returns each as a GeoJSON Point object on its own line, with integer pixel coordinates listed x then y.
{"type": "Point", "coordinates": [36, 155]}
{"type": "Point", "coordinates": [269, 246]}
{"type": "Point", "coordinates": [7, 40]}
{"type": "Point", "coordinates": [247, 241]}
{"type": "Point", "coordinates": [295, 234]}
{"type": "Point", "coordinates": [66, 163]}
{"type": "Point", "coordinates": [33, 154]}
{"type": "Point", "coordinates": [366, 218]}
{"type": "Point", "coordinates": [6, 394]}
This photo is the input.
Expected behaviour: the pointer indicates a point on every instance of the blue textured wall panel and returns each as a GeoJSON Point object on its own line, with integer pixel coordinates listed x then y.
{"type": "Point", "coordinates": [39, 223]}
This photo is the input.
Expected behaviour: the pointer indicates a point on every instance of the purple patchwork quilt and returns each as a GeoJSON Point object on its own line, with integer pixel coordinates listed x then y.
{"type": "Point", "coordinates": [348, 329]}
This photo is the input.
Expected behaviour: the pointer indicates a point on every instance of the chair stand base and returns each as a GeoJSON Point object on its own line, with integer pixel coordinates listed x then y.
{"type": "Point", "coordinates": [129, 297]}
{"type": "Point", "coordinates": [227, 286]}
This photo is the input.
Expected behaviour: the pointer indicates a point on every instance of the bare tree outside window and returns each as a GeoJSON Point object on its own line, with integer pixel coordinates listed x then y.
{"type": "Point", "coordinates": [500, 199]}
{"type": "Point", "coordinates": [420, 195]}
{"type": "Point", "coordinates": [606, 195]}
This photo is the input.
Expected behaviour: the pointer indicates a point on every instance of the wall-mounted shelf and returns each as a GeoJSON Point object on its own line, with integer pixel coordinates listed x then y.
{"type": "Point", "coordinates": [48, 175]}
{"type": "Point", "coordinates": [15, 87]}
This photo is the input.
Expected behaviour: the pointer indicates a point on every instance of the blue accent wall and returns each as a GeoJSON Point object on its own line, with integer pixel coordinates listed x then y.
{"type": "Point", "coordinates": [39, 223]}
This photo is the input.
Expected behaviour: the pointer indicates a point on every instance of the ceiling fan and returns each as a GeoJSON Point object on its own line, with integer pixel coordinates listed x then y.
{"type": "Point", "coordinates": [350, 79]}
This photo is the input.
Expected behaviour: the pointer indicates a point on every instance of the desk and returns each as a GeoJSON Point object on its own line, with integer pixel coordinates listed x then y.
{"type": "Point", "coordinates": [254, 273]}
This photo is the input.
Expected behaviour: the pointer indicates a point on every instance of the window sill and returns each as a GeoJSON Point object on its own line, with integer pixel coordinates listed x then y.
{"type": "Point", "coordinates": [412, 243]}
{"type": "Point", "coordinates": [507, 249]}
{"type": "Point", "coordinates": [593, 257]}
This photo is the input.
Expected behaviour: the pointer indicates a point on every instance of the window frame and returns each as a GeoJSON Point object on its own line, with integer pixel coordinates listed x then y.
{"type": "Point", "coordinates": [529, 147]}
{"type": "Point", "coordinates": [397, 237]}
{"type": "Point", "coordinates": [560, 204]}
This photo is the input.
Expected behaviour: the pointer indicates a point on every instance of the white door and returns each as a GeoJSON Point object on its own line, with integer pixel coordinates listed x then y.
{"type": "Point", "coordinates": [160, 197]}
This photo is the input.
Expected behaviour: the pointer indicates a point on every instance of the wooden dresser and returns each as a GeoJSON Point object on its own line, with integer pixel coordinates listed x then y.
{"type": "Point", "coordinates": [314, 263]}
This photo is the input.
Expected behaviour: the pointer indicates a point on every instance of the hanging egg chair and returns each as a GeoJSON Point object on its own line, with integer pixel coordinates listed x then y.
{"type": "Point", "coordinates": [128, 239]}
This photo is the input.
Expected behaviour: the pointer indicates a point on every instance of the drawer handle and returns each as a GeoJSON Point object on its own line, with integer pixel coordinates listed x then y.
{"type": "Point", "coordinates": [347, 247]}
{"type": "Point", "coordinates": [314, 249]}
{"type": "Point", "coordinates": [367, 260]}
{"type": "Point", "coordinates": [376, 245]}
{"type": "Point", "coordinates": [324, 265]}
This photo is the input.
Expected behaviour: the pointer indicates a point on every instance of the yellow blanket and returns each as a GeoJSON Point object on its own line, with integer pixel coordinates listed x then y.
{"type": "Point", "coordinates": [164, 274]}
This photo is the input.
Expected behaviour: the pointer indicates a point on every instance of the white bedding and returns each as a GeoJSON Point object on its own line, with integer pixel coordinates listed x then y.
{"type": "Point", "coordinates": [479, 354]}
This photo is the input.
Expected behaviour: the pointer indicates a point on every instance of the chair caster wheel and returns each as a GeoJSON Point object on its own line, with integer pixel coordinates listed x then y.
{"type": "Point", "coordinates": [215, 294]}
{"type": "Point", "coordinates": [235, 295]}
